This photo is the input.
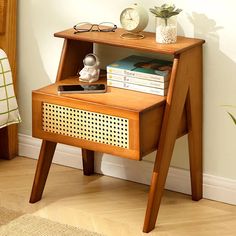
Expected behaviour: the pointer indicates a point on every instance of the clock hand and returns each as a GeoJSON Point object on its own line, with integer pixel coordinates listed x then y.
{"type": "Point", "coordinates": [130, 18]}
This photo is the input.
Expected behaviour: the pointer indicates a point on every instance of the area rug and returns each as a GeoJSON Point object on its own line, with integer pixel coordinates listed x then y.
{"type": "Point", "coordinates": [15, 224]}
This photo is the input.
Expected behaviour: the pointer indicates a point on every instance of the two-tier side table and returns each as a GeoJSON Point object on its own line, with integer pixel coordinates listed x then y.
{"type": "Point", "coordinates": [123, 123]}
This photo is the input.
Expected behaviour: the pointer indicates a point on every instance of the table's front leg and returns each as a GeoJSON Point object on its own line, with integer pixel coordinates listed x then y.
{"type": "Point", "coordinates": [43, 166]}
{"type": "Point", "coordinates": [178, 88]}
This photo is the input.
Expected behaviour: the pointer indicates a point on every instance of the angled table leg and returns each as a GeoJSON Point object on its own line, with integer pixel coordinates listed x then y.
{"type": "Point", "coordinates": [179, 86]}
{"type": "Point", "coordinates": [88, 161]}
{"type": "Point", "coordinates": [43, 166]}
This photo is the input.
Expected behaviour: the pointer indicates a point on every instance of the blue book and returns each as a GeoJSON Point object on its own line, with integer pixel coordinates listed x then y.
{"type": "Point", "coordinates": [142, 67]}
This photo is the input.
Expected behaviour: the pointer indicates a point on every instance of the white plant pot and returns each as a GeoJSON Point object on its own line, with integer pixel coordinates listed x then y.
{"type": "Point", "coordinates": [166, 30]}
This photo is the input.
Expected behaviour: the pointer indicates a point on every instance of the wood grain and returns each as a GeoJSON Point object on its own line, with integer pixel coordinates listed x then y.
{"type": "Point", "coordinates": [3, 14]}
{"type": "Point", "coordinates": [134, 148]}
{"type": "Point", "coordinates": [8, 10]}
{"type": "Point", "coordinates": [147, 44]}
{"type": "Point", "coordinates": [150, 126]}
{"type": "Point", "coordinates": [114, 97]}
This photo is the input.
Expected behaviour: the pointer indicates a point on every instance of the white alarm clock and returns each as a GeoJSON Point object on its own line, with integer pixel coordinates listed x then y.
{"type": "Point", "coordinates": [134, 19]}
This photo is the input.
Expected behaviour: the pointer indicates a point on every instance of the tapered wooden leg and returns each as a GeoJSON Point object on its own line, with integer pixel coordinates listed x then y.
{"type": "Point", "coordinates": [194, 118]}
{"type": "Point", "coordinates": [43, 166]}
{"type": "Point", "coordinates": [88, 161]}
{"type": "Point", "coordinates": [8, 142]}
{"type": "Point", "coordinates": [178, 89]}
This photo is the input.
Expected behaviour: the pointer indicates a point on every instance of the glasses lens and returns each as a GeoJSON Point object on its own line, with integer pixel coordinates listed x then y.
{"type": "Point", "coordinates": [83, 26]}
{"type": "Point", "coordinates": [107, 26]}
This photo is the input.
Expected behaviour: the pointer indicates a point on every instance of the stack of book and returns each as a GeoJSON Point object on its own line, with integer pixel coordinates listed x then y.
{"type": "Point", "coordinates": [141, 74]}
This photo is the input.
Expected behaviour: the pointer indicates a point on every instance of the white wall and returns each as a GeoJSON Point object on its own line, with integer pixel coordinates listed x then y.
{"type": "Point", "coordinates": [39, 52]}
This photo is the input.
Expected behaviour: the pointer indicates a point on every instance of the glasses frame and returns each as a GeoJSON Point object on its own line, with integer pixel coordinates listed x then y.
{"type": "Point", "coordinates": [97, 29]}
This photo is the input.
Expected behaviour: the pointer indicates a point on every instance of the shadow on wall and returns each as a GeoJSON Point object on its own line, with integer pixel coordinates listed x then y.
{"type": "Point", "coordinates": [203, 26]}
{"type": "Point", "coordinates": [219, 89]}
{"type": "Point", "coordinates": [222, 65]}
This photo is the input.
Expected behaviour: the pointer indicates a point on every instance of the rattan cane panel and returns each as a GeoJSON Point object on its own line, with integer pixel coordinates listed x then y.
{"type": "Point", "coordinates": [91, 126]}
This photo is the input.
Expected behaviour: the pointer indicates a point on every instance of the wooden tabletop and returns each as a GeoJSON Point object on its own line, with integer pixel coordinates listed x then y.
{"type": "Point", "coordinates": [114, 97]}
{"type": "Point", "coordinates": [147, 44]}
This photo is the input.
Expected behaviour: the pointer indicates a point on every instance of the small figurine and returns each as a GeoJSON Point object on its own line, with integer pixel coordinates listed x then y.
{"type": "Point", "coordinates": [90, 72]}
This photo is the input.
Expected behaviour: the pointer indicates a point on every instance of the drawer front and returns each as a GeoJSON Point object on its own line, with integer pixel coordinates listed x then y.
{"type": "Point", "coordinates": [87, 125]}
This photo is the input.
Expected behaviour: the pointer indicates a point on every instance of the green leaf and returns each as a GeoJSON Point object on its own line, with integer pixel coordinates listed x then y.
{"type": "Point", "coordinates": [152, 10]}
{"type": "Point", "coordinates": [157, 8]}
{"type": "Point", "coordinates": [165, 11]}
{"type": "Point", "coordinates": [164, 5]}
{"type": "Point", "coordinates": [157, 14]}
{"type": "Point", "coordinates": [173, 14]}
{"type": "Point", "coordinates": [233, 118]}
{"type": "Point", "coordinates": [178, 10]}
{"type": "Point", "coordinates": [165, 14]}
{"type": "Point", "coordinates": [171, 8]}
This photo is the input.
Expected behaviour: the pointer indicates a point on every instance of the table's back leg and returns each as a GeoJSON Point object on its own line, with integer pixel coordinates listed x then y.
{"type": "Point", "coordinates": [43, 166]}
{"type": "Point", "coordinates": [194, 117]}
{"type": "Point", "coordinates": [88, 161]}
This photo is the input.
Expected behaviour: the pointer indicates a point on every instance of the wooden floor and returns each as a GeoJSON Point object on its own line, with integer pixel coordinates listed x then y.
{"type": "Point", "coordinates": [108, 205]}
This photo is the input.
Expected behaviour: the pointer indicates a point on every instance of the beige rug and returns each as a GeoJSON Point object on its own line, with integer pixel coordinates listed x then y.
{"type": "Point", "coordinates": [15, 224]}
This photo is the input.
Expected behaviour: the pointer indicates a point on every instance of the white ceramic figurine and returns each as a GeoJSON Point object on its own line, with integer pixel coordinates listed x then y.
{"type": "Point", "coordinates": [90, 72]}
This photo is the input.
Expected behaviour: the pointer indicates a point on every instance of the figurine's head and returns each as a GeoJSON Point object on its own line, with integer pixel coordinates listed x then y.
{"type": "Point", "coordinates": [91, 60]}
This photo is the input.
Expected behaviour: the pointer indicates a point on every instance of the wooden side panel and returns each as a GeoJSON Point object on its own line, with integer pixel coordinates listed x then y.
{"type": "Point", "coordinates": [8, 13]}
{"type": "Point", "coordinates": [150, 127]}
{"type": "Point", "coordinates": [72, 56]}
{"type": "Point", "coordinates": [3, 14]}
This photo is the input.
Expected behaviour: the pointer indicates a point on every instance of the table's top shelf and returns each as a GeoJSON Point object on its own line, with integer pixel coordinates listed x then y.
{"type": "Point", "coordinates": [114, 97]}
{"type": "Point", "coordinates": [147, 44]}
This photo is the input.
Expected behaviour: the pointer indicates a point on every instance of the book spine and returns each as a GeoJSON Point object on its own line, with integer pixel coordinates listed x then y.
{"type": "Point", "coordinates": [141, 75]}
{"type": "Point", "coordinates": [134, 80]}
{"type": "Point", "coordinates": [135, 87]}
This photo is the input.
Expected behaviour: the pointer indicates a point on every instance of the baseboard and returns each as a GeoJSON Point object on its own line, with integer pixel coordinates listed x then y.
{"type": "Point", "coordinates": [214, 187]}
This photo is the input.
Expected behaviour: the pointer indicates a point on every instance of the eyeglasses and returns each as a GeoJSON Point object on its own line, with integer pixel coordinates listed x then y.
{"type": "Point", "coordinates": [88, 27]}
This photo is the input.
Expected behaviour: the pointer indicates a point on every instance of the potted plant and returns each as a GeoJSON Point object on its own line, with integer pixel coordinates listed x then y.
{"type": "Point", "coordinates": [166, 23]}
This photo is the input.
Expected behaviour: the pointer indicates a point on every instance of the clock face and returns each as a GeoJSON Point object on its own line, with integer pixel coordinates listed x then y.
{"type": "Point", "coordinates": [129, 19]}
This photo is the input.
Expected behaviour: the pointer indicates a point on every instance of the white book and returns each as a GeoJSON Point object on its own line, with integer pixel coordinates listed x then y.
{"type": "Point", "coordinates": [138, 81]}
{"type": "Point", "coordinates": [141, 75]}
{"type": "Point", "coordinates": [135, 87]}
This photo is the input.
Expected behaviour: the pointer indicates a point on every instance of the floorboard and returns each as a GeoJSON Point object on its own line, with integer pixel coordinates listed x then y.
{"type": "Point", "coordinates": [108, 205]}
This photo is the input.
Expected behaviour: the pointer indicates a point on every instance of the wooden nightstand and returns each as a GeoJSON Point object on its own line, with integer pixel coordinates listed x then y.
{"type": "Point", "coordinates": [124, 123]}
